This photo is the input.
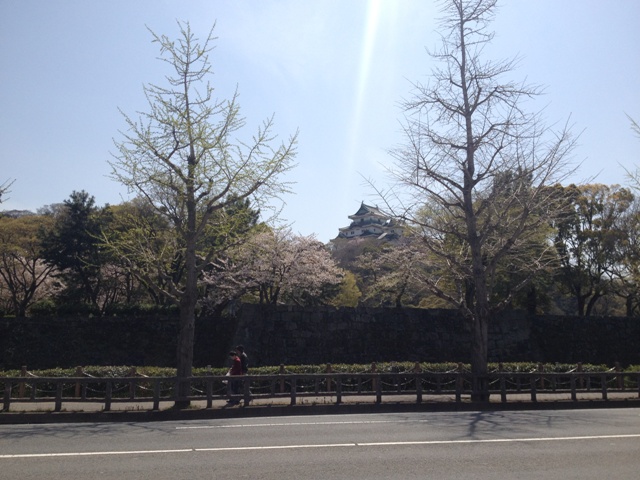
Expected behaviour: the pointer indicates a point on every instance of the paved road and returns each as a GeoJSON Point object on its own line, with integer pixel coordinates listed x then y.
{"type": "Point", "coordinates": [550, 445]}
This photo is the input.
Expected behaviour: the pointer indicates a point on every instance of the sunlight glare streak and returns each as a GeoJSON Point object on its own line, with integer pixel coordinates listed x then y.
{"type": "Point", "coordinates": [372, 22]}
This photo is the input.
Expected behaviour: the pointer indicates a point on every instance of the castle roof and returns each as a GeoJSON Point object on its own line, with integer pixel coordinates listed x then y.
{"type": "Point", "coordinates": [367, 210]}
{"type": "Point", "coordinates": [370, 221]}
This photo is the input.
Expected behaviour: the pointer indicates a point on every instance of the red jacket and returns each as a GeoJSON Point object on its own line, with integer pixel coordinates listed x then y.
{"type": "Point", "coordinates": [236, 367]}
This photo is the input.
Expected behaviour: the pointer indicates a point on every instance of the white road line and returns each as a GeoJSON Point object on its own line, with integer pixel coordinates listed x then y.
{"type": "Point", "coordinates": [325, 445]}
{"type": "Point", "coordinates": [498, 440]}
{"type": "Point", "coordinates": [90, 454]}
{"type": "Point", "coordinates": [274, 447]}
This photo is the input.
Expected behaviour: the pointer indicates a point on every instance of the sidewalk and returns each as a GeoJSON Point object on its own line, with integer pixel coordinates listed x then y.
{"type": "Point", "coordinates": [42, 412]}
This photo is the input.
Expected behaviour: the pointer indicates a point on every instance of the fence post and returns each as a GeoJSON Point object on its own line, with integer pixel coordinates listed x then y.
{"type": "Point", "coordinates": [580, 377]}
{"type": "Point", "coordinates": [58, 402]}
{"type": "Point", "coordinates": [376, 382]}
{"type": "Point", "coordinates": [459, 382]}
{"type": "Point", "coordinates": [23, 373]}
{"type": "Point", "coordinates": [247, 390]}
{"type": "Point", "coordinates": [338, 390]}
{"type": "Point", "coordinates": [603, 384]}
{"type": "Point", "coordinates": [534, 397]}
{"type": "Point", "coordinates": [574, 396]}
{"type": "Point", "coordinates": [107, 396]}
{"type": "Point", "coordinates": [541, 371]}
{"type": "Point", "coordinates": [374, 379]}
{"type": "Point", "coordinates": [156, 394]}
{"type": "Point", "coordinates": [78, 374]}
{"type": "Point", "coordinates": [209, 388]}
{"type": "Point", "coordinates": [132, 384]}
{"type": "Point", "coordinates": [503, 386]}
{"type": "Point", "coordinates": [619, 376]}
{"type": "Point", "coordinates": [282, 372]}
{"type": "Point", "coordinates": [417, 370]}
{"type": "Point", "coordinates": [329, 369]}
{"type": "Point", "coordinates": [294, 387]}
{"type": "Point", "coordinates": [7, 396]}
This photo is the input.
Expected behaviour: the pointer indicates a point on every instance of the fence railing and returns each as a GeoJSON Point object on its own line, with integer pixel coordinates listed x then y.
{"type": "Point", "coordinates": [415, 386]}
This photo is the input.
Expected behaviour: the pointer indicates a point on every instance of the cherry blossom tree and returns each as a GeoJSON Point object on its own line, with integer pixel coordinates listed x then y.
{"type": "Point", "coordinates": [25, 276]}
{"type": "Point", "coordinates": [275, 266]}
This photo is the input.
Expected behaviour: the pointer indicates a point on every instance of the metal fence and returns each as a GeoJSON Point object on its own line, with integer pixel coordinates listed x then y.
{"type": "Point", "coordinates": [414, 386]}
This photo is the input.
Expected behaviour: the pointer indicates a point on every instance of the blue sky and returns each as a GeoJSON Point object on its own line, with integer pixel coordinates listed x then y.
{"type": "Point", "coordinates": [334, 69]}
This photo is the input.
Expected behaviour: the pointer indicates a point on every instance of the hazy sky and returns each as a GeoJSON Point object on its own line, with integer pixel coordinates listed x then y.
{"type": "Point", "coordinates": [335, 70]}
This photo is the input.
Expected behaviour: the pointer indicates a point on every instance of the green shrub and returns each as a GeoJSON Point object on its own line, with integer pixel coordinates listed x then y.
{"type": "Point", "coordinates": [387, 367]}
{"type": "Point", "coordinates": [43, 308]}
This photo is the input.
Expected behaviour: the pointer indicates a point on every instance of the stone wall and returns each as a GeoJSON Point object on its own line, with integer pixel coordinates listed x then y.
{"type": "Point", "coordinates": [317, 335]}
{"type": "Point", "coordinates": [294, 335]}
{"type": "Point", "coordinates": [44, 343]}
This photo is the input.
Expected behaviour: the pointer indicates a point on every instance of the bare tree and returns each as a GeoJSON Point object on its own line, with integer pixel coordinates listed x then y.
{"type": "Point", "coordinates": [473, 173]}
{"type": "Point", "coordinates": [182, 156]}
{"type": "Point", "coordinates": [25, 275]}
{"type": "Point", "coordinates": [635, 175]}
{"type": "Point", "coordinates": [634, 126]}
{"type": "Point", "coordinates": [4, 189]}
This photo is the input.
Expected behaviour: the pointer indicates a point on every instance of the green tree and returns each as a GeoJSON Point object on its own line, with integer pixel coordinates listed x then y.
{"type": "Point", "coordinates": [522, 274]}
{"type": "Point", "coordinates": [151, 251]}
{"type": "Point", "coordinates": [464, 130]}
{"type": "Point", "coordinates": [73, 246]}
{"type": "Point", "coordinates": [349, 293]}
{"type": "Point", "coordinates": [589, 241]}
{"type": "Point", "coordinates": [145, 247]}
{"type": "Point", "coordinates": [626, 277]}
{"type": "Point", "coordinates": [396, 273]}
{"type": "Point", "coordinates": [182, 156]}
{"type": "Point", "coordinates": [358, 255]}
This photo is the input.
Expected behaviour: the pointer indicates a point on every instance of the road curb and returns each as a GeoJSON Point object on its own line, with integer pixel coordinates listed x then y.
{"type": "Point", "coordinates": [21, 418]}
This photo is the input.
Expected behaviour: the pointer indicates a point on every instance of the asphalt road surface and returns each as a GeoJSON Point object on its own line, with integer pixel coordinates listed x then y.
{"type": "Point", "coordinates": [574, 444]}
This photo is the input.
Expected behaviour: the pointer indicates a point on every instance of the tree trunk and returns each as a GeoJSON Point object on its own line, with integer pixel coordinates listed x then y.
{"type": "Point", "coordinates": [186, 333]}
{"type": "Point", "coordinates": [582, 300]}
{"type": "Point", "coordinates": [591, 304]}
{"type": "Point", "coordinates": [479, 356]}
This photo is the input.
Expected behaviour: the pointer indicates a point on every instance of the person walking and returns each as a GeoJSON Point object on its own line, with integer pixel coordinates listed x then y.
{"type": "Point", "coordinates": [233, 386]}
{"type": "Point", "coordinates": [243, 359]}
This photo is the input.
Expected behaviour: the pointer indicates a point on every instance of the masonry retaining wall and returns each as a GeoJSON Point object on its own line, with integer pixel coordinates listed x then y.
{"type": "Point", "coordinates": [293, 335]}
{"type": "Point", "coordinates": [317, 335]}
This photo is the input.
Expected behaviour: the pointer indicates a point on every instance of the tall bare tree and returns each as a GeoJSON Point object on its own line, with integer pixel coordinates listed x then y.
{"type": "Point", "coordinates": [634, 176]}
{"type": "Point", "coordinates": [184, 158]}
{"type": "Point", "coordinates": [4, 189]}
{"type": "Point", "coordinates": [473, 173]}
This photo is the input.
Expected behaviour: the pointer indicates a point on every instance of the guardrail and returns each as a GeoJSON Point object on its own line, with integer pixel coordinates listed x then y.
{"type": "Point", "coordinates": [375, 385]}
